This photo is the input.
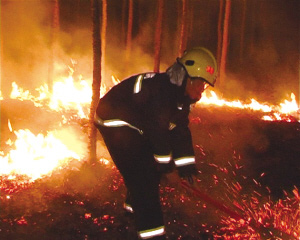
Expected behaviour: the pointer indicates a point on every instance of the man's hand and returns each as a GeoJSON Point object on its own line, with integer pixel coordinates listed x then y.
{"type": "Point", "coordinates": [187, 172]}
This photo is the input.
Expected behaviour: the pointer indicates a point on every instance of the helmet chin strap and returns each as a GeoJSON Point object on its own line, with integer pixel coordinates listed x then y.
{"type": "Point", "coordinates": [176, 74]}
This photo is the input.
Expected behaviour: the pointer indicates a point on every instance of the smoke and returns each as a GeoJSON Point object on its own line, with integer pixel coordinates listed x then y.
{"type": "Point", "coordinates": [25, 32]}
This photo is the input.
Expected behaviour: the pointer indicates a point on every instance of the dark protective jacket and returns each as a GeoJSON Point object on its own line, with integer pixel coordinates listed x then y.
{"type": "Point", "coordinates": [150, 104]}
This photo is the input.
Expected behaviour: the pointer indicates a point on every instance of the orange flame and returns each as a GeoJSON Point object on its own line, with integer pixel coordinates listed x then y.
{"type": "Point", "coordinates": [36, 155]}
{"type": "Point", "coordinates": [275, 112]}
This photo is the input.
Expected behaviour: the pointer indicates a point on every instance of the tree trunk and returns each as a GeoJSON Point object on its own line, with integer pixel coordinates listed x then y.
{"type": "Point", "coordinates": [103, 36]}
{"type": "Point", "coordinates": [225, 43]}
{"type": "Point", "coordinates": [242, 39]}
{"type": "Point", "coordinates": [123, 26]}
{"type": "Point", "coordinates": [158, 35]}
{"type": "Point", "coordinates": [96, 80]}
{"type": "Point", "coordinates": [129, 30]}
{"type": "Point", "coordinates": [220, 21]}
{"type": "Point", "coordinates": [182, 42]}
{"type": "Point", "coordinates": [1, 52]}
{"type": "Point", "coordinates": [190, 20]}
{"type": "Point", "coordinates": [53, 43]}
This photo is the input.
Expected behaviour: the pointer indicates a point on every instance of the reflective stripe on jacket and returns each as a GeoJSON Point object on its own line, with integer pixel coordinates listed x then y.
{"type": "Point", "coordinates": [150, 233]}
{"type": "Point", "coordinates": [156, 108]}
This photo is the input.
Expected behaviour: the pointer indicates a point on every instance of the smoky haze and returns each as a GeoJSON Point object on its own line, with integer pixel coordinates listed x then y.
{"type": "Point", "coordinates": [264, 65]}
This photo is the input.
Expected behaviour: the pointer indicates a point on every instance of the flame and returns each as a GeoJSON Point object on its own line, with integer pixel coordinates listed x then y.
{"type": "Point", "coordinates": [67, 94]}
{"type": "Point", "coordinates": [38, 155]}
{"type": "Point", "coordinates": [35, 155]}
{"type": "Point", "coordinates": [275, 112]}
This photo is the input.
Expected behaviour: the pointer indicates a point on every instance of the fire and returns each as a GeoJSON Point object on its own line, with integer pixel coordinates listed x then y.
{"type": "Point", "coordinates": [35, 155]}
{"type": "Point", "coordinates": [274, 112]}
{"type": "Point", "coordinates": [38, 155]}
{"type": "Point", "coordinates": [67, 94]}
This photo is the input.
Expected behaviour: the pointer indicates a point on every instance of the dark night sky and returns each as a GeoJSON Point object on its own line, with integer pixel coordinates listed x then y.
{"type": "Point", "coordinates": [269, 67]}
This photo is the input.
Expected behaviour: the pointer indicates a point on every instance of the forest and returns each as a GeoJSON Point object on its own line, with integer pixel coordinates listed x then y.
{"type": "Point", "coordinates": [58, 57]}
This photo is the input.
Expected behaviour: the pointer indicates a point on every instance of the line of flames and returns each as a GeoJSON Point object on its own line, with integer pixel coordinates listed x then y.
{"type": "Point", "coordinates": [39, 155]}
{"type": "Point", "coordinates": [70, 95]}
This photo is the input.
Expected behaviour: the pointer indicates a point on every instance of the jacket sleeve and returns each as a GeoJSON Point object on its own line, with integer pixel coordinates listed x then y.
{"type": "Point", "coordinates": [182, 146]}
{"type": "Point", "coordinates": [159, 136]}
{"type": "Point", "coordinates": [156, 118]}
{"type": "Point", "coordinates": [181, 139]}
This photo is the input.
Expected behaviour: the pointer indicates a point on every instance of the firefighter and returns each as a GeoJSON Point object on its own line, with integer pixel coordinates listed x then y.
{"type": "Point", "coordinates": [144, 123]}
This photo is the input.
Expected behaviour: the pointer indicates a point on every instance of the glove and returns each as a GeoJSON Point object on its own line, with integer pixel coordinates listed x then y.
{"type": "Point", "coordinates": [187, 172]}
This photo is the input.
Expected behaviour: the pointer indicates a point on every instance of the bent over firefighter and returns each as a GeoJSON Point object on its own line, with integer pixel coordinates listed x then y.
{"type": "Point", "coordinates": [144, 123]}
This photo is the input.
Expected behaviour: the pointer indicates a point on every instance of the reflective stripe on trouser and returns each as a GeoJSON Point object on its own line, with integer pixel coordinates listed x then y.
{"type": "Point", "coordinates": [134, 159]}
{"type": "Point", "coordinates": [184, 161]}
{"type": "Point", "coordinates": [162, 159]}
{"type": "Point", "coordinates": [150, 233]}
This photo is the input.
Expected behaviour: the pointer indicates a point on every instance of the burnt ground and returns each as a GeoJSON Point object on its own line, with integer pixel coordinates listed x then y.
{"type": "Point", "coordinates": [244, 162]}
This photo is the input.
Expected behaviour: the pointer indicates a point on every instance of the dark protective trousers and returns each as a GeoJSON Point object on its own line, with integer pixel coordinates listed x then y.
{"type": "Point", "coordinates": [134, 159]}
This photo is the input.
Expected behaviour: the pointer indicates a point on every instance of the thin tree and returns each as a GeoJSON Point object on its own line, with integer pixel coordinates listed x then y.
{"type": "Point", "coordinates": [123, 21]}
{"type": "Point", "coordinates": [129, 30]}
{"type": "Point", "coordinates": [182, 41]}
{"type": "Point", "coordinates": [103, 35]}
{"type": "Point", "coordinates": [242, 36]}
{"type": "Point", "coordinates": [53, 43]}
{"type": "Point", "coordinates": [1, 50]}
{"type": "Point", "coordinates": [96, 80]}
{"type": "Point", "coordinates": [220, 33]}
{"type": "Point", "coordinates": [225, 42]}
{"type": "Point", "coordinates": [158, 32]}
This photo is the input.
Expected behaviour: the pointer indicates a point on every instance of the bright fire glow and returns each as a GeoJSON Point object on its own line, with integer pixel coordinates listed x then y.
{"type": "Point", "coordinates": [38, 155]}
{"type": "Point", "coordinates": [35, 155]}
{"type": "Point", "coordinates": [67, 94]}
{"type": "Point", "coordinates": [287, 107]}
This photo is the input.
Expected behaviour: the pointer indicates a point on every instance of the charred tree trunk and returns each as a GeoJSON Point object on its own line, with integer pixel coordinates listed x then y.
{"type": "Point", "coordinates": [129, 30]}
{"type": "Point", "coordinates": [253, 29]}
{"type": "Point", "coordinates": [158, 35]}
{"type": "Point", "coordinates": [182, 41]}
{"type": "Point", "coordinates": [190, 20]}
{"type": "Point", "coordinates": [123, 36]}
{"type": "Point", "coordinates": [242, 39]}
{"type": "Point", "coordinates": [53, 43]}
{"type": "Point", "coordinates": [103, 36]}
{"type": "Point", "coordinates": [1, 52]}
{"type": "Point", "coordinates": [96, 79]}
{"type": "Point", "coordinates": [225, 43]}
{"type": "Point", "coordinates": [220, 26]}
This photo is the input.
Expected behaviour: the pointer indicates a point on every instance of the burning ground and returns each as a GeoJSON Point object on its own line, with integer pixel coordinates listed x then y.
{"type": "Point", "coordinates": [247, 189]}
